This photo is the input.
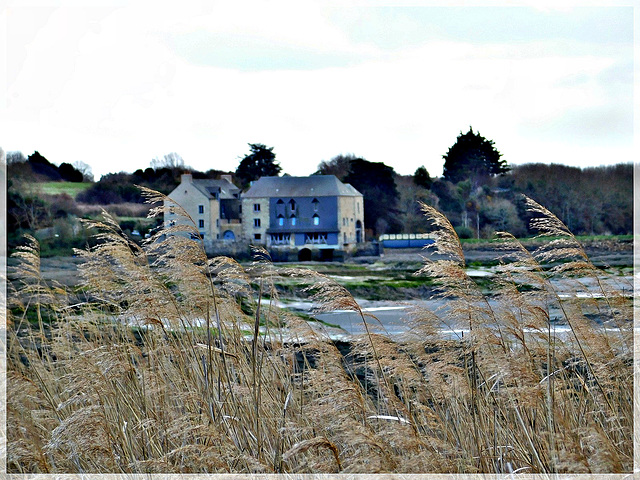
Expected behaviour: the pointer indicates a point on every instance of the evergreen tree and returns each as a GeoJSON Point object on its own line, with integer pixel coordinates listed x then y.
{"type": "Point", "coordinates": [473, 157]}
{"type": "Point", "coordinates": [422, 178]}
{"type": "Point", "coordinates": [261, 162]}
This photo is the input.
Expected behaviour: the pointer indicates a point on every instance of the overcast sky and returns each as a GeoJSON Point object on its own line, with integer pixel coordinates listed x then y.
{"type": "Point", "coordinates": [117, 85]}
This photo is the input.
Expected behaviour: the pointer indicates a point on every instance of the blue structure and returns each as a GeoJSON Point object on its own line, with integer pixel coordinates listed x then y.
{"type": "Point", "coordinates": [406, 240]}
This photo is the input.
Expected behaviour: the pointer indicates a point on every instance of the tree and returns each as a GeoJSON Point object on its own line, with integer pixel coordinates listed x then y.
{"type": "Point", "coordinates": [261, 162]}
{"type": "Point", "coordinates": [69, 173]}
{"type": "Point", "coordinates": [376, 182]}
{"type": "Point", "coordinates": [85, 170]}
{"type": "Point", "coordinates": [42, 168]}
{"type": "Point", "coordinates": [340, 165]}
{"type": "Point", "coordinates": [15, 157]}
{"type": "Point", "coordinates": [473, 157]}
{"type": "Point", "coordinates": [170, 160]}
{"type": "Point", "coordinates": [422, 178]}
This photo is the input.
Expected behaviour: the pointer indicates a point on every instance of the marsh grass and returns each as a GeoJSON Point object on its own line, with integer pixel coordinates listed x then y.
{"type": "Point", "coordinates": [168, 361]}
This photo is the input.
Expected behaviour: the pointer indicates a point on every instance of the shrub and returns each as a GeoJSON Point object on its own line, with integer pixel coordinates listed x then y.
{"type": "Point", "coordinates": [464, 232]}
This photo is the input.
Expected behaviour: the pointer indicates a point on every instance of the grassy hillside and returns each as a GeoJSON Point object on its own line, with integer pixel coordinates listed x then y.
{"type": "Point", "coordinates": [54, 188]}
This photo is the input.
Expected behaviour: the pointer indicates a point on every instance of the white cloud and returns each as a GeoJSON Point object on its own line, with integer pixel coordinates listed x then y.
{"type": "Point", "coordinates": [109, 87]}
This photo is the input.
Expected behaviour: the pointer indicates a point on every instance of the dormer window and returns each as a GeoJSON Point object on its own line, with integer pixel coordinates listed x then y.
{"type": "Point", "coordinates": [316, 219]}
{"type": "Point", "coordinates": [315, 203]}
{"type": "Point", "coordinates": [280, 220]}
{"type": "Point", "coordinates": [292, 219]}
{"type": "Point", "coordinates": [280, 202]}
{"type": "Point", "coordinates": [292, 204]}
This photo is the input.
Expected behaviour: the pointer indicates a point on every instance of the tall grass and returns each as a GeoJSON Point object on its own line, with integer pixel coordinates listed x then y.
{"type": "Point", "coordinates": [168, 361]}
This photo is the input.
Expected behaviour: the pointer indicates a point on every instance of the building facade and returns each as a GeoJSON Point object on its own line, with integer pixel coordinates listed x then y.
{"type": "Point", "coordinates": [214, 206]}
{"type": "Point", "coordinates": [305, 217]}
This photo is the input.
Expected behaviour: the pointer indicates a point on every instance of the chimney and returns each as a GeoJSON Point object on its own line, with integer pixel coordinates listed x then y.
{"type": "Point", "coordinates": [226, 177]}
{"type": "Point", "coordinates": [186, 178]}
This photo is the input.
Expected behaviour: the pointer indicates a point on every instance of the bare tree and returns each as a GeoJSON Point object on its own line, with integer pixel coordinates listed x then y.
{"type": "Point", "coordinates": [170, 160]}
{"type": "Point", "coordinates": [15, 157]}
{"type": "Point", "coordinates": [340, 166]}
{"type": "Point", "coordinates": [85, 170]}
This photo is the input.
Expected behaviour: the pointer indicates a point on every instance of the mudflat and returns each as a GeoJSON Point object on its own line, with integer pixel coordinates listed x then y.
{"type": "Point", "coordinates": [614, 253]}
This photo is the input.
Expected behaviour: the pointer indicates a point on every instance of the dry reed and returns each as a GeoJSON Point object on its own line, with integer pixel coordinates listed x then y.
{"type": "Point", "coordinates": [167, 361]}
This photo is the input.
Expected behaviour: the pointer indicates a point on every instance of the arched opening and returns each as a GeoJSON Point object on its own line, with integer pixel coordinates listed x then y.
{"type": "Point", "coordinates": [304, 255]}
{"type": "Point", "coordinates": [358, 231]}
{"type": "Point", "coordinates": [229, 236]}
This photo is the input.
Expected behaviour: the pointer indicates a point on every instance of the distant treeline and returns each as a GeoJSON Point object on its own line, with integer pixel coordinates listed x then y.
{"type": "Point", "coordinates": [591, 201]}
{"type": "Point", "coordinates": [38, 169]}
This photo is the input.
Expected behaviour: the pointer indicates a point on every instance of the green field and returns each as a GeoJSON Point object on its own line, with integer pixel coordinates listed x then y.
{"type": "Point", "coordinates": [55, 188]}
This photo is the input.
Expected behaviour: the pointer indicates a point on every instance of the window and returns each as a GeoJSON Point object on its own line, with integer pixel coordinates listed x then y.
{"type": "Point", "coordinates": [293, 220]}
{"type": "Point", "coordinates": [315, 203]}
{"type": "Point", "coordinates": [256, 222]}
{"type": "Point", "coordinates": [280, 202]}
{"type": "Point", "coordinates": [280, 239]}
{"type": "Point", "coordinates": [257, 236]}
{"type": "Point", "coordinates": [316, 219]}
{"type": "Point", "coordinates": [292, 204]}
{"type": "Point", "coordinates": [200, 223]}
{"type": "Point", "coordinates": [280, 220]}
{"type": "Point", "coordinates": [200, 209]}
{"type": "Point", "coordinates": [315, 238]}
{"type": "Point", "coordinates": [345, 237]}
{"type": "Point", "coordinates": [256, 207]}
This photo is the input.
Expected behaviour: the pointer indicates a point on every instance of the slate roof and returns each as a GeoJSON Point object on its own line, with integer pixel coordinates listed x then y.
{"type": "Point", "coordinates": [312, 186]}
{"type": "Point", "coordinates": [223, 188]}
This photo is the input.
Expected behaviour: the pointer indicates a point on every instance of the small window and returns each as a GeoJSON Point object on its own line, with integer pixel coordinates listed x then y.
{"type": "Point", "coordinates": [201, 209]}
{"type": "Point", "coordinates": [200, 223]}
{"type": "Point", "coordinates": [280, 202]}
{"type": "Point", "coordinates": [256, 207]}
{"type": "Point", "coordinates": [280, 220]}
{"type": "Point", "coordinates": [257, 236]}
{"type": "Point", "coordinates": [292, 204]}
{"type": "Point", "coordinates": [315, 203]}
{"type": "Point", "coordinates": [293, 220]}
{"type": "Point", "coordinates": [345, 237]}
{"type": "Point", "coordinates": [316, 219]}
{"type": "Point", "coordinates": [256, 222]}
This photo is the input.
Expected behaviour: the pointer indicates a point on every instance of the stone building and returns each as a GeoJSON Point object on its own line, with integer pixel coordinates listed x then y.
{"type": "Point", "coordinates": [303, 218]}
{"type": "Point", "coordinates": [214, 206]}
